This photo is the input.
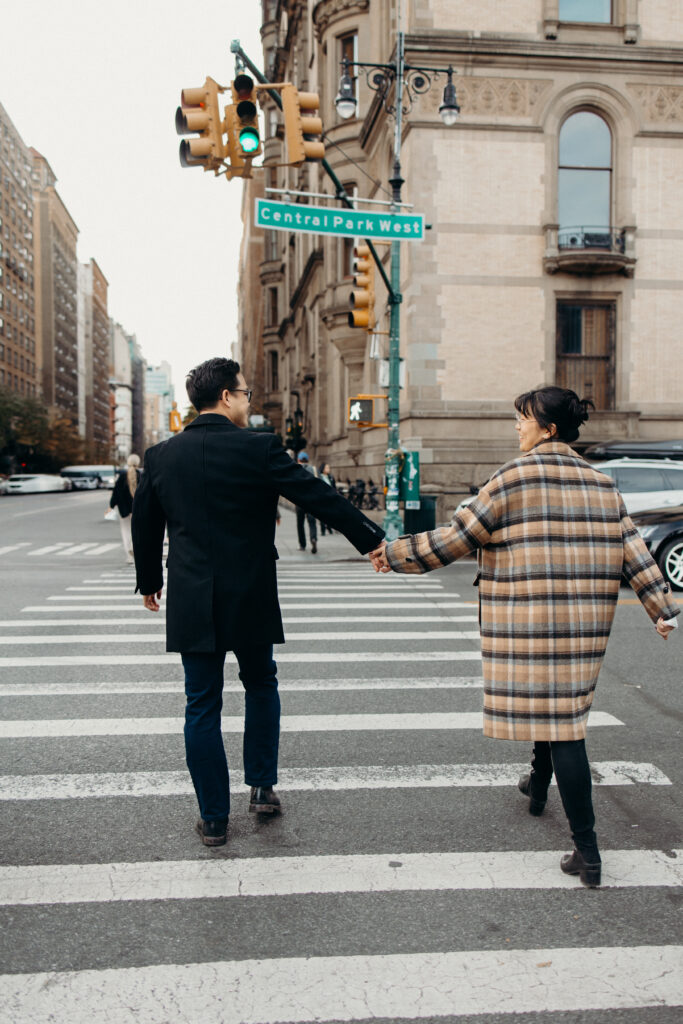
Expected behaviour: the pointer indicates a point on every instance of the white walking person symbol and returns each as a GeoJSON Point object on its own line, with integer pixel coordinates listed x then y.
{"type": "Point", "coordinates": [354, 413]}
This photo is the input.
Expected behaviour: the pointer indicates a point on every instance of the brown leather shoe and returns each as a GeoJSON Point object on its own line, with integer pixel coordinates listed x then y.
{"type": "Point", "coordinates": [212, 833]}
{"type": "Point", "coordinates": [574, 863]}
{"type": "Point", "coordinates": [264, 800]}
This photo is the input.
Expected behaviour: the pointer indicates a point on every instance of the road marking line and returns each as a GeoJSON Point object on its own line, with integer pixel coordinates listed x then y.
{"type": "Point", "coordinates": [40, 884]}
{"type": "Point", "coordinates": [50, 548]}
{"type": "Point", "coordinates": [309, 620]}
{"type": "Point", "coordinates": [76, 549]}
{"type": "Point", "coordinates": [99, 785]}
{"type": "Point", "coordinates": [102, 548]}
{"type": "Point", "coordinates": [52, 661]}
{"type": "Point", "coordinates": [32, 728]}
{"type": "Point", "coordinates": [15, 547]}
{"type": "Point", "coordinates": [286, 685]}
{"type": "Point", "coordinates": [396, 986]}
{"type": "Point", "coordinates": [351, 636]}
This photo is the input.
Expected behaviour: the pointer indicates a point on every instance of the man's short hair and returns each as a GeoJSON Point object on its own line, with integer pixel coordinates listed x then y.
{"type": "Point", "coordinates": [207, 382]}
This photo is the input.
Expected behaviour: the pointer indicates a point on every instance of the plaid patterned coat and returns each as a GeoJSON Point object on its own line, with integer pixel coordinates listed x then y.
{"type": "Point", "coordinates": [553, 539]}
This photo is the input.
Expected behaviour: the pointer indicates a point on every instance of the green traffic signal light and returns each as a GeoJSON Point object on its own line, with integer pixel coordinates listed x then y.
{"type": "Point", "coordinates": [249, 140]}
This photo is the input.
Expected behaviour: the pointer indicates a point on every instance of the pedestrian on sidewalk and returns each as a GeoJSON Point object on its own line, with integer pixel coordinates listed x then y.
{"type": "Point", "coordinates": [216, 486]}
{"type": "Point", "coordinates": [553, 539]}
{"type": "Point", "coordinates": [122, 500]}
{"type": "Point", "coordinates": [302, 516]}
{"type": "Point", "coordinates": [325, 475]}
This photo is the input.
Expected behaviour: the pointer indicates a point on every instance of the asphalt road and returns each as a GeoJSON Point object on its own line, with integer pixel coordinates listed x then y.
{"type": "Point", "coordinates": [405, 879]}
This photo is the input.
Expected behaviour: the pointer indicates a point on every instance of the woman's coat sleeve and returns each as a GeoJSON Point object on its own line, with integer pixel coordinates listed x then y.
{"type": "Point", "coordinates": [642, 573]}
{"type": "Point", "coordinates": [469, 530]}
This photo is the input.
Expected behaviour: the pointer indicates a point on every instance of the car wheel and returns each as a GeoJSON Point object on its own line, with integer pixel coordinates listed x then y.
{"type": "Point", "coordinates": [671, 563]}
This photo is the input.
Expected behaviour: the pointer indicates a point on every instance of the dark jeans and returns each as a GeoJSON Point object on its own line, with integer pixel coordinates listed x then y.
{"type": "Point", "coordinates": [204, 750]}
{"type": "Point", "coordinates": [569, 761]}
{"type": "Point", "coordinates": [312, 527]}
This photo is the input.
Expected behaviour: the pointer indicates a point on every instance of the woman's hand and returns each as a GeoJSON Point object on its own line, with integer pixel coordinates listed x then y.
{"type": "Point", "coordinates": [379, 558]}
{"type": "Point", "coordinates": [662, 628]}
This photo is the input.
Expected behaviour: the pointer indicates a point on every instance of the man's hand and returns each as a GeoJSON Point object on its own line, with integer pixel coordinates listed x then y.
{"type": "Point", "coordinates": [662, 628]}
{"type": "Point", "coordinates": [151, 601]}
{"type": "Point", "coordinates": [379, 558]}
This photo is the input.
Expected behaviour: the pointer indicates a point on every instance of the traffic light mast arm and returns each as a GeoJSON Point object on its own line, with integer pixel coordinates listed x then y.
{"type": "Point", "coordinates": [340, 192]}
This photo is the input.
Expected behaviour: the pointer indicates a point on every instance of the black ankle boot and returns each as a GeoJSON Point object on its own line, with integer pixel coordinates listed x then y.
{"type": "Point", "coordinates": [536, 807]}
{"type": "Point", "coordinates": [588, 870]}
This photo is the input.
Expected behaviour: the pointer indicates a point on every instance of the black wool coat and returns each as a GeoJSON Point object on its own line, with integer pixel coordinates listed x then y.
{"type": "Point", "coordinates": [215, 488]}
{"type": "Point", "coordinates": [121, 497]}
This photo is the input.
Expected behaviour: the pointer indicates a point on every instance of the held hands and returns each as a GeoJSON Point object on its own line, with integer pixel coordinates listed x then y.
{"type": "Point", "coordinates": [379, 558]}
{"type": "Point", "coordinates": [660, 626]}
{"type": "Point", "coordinates": [151, 601]}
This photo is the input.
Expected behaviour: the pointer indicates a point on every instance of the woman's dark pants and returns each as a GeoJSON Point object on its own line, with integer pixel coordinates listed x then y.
{"type": "Point", "coordinates": [204, 748]}
{"type": "Point", "coordinates": [569, 761]}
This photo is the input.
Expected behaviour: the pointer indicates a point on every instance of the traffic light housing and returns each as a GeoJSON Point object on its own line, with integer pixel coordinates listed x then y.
{"type": "Point", "coordinates": [198, 112]}
{"type": "Point", "coordinates": [361, 411]}
{"type": "Point", "coordinates": [302, 125]}
{"type": "Point", "coordinates": [244, 118]}
{"type": "Point", "coordinates": [362, 298]}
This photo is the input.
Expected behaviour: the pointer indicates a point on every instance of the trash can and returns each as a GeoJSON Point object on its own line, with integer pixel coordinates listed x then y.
{"type": "Point", "coordinates": [417, 520]}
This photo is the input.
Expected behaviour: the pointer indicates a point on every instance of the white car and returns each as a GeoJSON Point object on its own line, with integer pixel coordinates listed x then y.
{"type": "Point", "coordinates": [646, 483]}
{"type": "Point", "coordinates": [37, 483]}
{"type": "Point", "coordinates": [86, 478]}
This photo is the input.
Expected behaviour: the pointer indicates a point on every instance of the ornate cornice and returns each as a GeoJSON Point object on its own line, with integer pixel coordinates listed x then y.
{"type": "Point", "coordinates": [327, 12]}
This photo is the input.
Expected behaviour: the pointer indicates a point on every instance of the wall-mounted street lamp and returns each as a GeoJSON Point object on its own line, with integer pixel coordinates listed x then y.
{"type": "Point", "coordinates": [398, 85]}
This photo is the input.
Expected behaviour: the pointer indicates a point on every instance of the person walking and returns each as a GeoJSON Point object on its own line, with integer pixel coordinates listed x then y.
{"type": "Point", "coordinates": [302, 516]}
{"type": "Point", "coordinates": [122, 499]}
{"type": "Point", "coordinates": [553, 539]}
{"type": "Point", "coordinates": [325, 474]}
{"type": "Point", "coordinates": [215, 486]}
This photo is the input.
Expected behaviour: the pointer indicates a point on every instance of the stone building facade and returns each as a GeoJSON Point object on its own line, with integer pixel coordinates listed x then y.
{"type": "Point", "coordinates": [555, 253]}
{"type": "Point", "coordinates": [18, 355]}
{"type": "Point", "coordinates": [56, 292]}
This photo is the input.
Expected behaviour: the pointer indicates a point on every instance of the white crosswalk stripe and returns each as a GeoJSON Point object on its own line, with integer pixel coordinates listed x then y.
{"type": "Point", "coordinates": [415, 695]}
{"type": "Point", "coordinates": [64, 548]}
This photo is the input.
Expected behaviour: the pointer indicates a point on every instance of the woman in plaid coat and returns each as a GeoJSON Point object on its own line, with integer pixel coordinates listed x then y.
{"type": "Point", "coordinates": [553, 540]}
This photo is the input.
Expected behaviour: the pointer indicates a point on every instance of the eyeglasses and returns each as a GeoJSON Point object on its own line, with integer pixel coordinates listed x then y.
{"type": "Point", "coordinates": [245, 391]}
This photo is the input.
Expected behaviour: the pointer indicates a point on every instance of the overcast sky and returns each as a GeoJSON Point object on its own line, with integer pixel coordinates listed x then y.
{"type": "Point", "coordinates": [94, 85]}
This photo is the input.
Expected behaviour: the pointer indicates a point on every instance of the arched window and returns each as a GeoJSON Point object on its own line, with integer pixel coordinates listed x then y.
{"type": "Point", "coordinates": [584, 177]}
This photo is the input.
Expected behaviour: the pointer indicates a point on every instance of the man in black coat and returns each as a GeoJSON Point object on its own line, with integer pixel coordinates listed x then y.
{"type": "Point", "coordinates": [214, 487]}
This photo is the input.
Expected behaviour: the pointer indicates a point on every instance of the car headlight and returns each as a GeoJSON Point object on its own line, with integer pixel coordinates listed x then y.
{"type": "Point", "coordinates": [646, 531]}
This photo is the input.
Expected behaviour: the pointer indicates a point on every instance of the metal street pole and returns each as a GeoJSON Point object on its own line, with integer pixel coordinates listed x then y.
{"type": "Point", "coordinates": [393, 525]}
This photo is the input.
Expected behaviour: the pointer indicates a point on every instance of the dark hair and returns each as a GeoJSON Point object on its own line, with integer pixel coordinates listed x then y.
{"type": "Point", "coordinates": [207, 382]}
{"type": "Point", "coordinates": [560, 406]}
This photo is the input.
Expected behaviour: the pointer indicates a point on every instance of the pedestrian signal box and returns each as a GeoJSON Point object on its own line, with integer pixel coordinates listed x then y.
{"type": "Point", "coordinates": [361, 411]}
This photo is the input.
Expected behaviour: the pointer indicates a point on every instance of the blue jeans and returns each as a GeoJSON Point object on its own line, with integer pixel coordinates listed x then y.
{"type": "Point", "coordinates": [204, 750]}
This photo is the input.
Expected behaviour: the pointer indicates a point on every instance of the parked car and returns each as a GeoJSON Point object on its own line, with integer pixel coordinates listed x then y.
{"type": "Point", "coordinates": [646, 483]}
{"type": "Point", "coordinates": [662, 531]}
{"type": "Point", "coordinates": [635, 450]}
{"type": "Point", "coordinates": [86, 478]}
{"type": "Point", "coordinates": [37, 483]}
{"type": "Point", "coordinates": [4, 484]}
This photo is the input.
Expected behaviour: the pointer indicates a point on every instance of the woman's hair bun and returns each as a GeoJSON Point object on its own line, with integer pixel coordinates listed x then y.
{"type": "Point", "coordinates": [558, 407]}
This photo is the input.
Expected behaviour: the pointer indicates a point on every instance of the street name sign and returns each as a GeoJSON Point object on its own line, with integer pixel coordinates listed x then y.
{"type": "Point", "coordinates": [350, 223]}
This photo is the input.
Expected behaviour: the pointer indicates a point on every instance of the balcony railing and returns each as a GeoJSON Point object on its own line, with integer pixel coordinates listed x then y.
{"type": "Point", "coordinates": [607, 239]}
{"type": "Point", "coordinates": [589, 250]}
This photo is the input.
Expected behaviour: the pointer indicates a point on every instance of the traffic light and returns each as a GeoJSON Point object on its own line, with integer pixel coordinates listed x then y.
{"type": "Point", "coordinates": [248, 136]}
{"type": "Point", "coordinates": [361, 411]}
{"type": "Point", "coordinates": [362, 298]}
{"type": "Point", "coordinates": [302, 125]}
{"type": "Point", "coordinates": [198, 112]}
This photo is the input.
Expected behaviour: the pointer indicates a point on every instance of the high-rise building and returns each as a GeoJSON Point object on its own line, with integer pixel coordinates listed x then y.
{"type": "Point", "coordinates": [94, 354]}
{"type": "Point", "coordinates": [159, 398]}
{"type": "Point", "coordinates": [18, 356]}
{"type": "Point", "coordinates": [121, 393]}
{"type": "Point", "coordinates": [138, 370]}
{"type": "Point", "coordinates": [56, 294]}
{"type": "Point", "coordinates": [554, 255]}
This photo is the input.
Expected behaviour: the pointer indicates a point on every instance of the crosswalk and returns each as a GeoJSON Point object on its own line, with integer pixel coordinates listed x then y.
{"type": "Point", "coordinates": [61, 549]}
{"type": "Point", "coordinates": [398, 884]}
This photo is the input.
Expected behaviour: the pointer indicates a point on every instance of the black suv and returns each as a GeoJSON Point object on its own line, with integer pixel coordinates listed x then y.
{"type": "Point", "coordinates": [662, 531]}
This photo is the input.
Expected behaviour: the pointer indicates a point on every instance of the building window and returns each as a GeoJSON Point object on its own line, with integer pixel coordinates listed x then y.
{"type": "Point", "coordinates": [584, 175]}
{"type": "Point", "coordinates": [272, 245]}
{"type": "Point", "coordinates": [586, 342]}
{"type": "Point", "coordinates": [274, 372]}
{"type": "Point", "coordinates": [593, 11]}
{"type": "Point", "coordinates": [272, 307]}
{"type": "Point", "coordinates": [348, 50]}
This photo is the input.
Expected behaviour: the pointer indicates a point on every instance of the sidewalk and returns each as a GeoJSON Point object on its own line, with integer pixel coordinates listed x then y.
{"type": "Point", "coordinates": [331, 548]}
